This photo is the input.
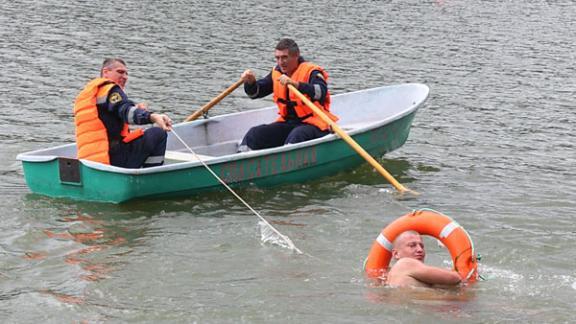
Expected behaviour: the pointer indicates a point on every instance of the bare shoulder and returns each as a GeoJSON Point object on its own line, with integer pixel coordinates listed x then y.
{"type": "Point", "coordinates": [412, 272]}
{"type": "Point", "coordinates": [402, 273]}
{"type": "Point", "coordinates": [408, 263]}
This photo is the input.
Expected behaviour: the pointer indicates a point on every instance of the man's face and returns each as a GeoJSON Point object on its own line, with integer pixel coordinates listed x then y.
{"type": "Point", "coordinates": [287, 62]}
{"type": "Point", "coordinates": [116, 72]}
{"type": "Point", "coordinates": [409, 245]}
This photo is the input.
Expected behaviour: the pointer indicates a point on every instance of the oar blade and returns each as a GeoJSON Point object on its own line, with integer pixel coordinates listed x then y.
{"type": "Point", "coordinates": [406, 194]}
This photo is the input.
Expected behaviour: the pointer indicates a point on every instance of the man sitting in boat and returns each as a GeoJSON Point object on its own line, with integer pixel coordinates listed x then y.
{"type": "Point", "coordinates": [102, 113]}
{"type": "Point", "coordinates": [410, 270]}
{"type": "Point", "coordinates": [297, 122]}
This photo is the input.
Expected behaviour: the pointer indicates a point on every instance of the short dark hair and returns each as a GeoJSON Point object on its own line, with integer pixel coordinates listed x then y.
{"type": "Point", "coordinates": [110, 61]}
{"type": "Point", "coordinates": [288, 44]}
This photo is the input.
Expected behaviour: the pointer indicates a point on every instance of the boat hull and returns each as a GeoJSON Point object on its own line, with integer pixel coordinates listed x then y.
{"type": "Point", "coordinates": [61, 176]}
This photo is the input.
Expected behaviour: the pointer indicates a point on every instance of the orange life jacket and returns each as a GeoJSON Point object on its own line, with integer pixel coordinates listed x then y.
{"type": "Point", "coordinates": [302, 74]}
{"type": "Point", "coordinates": [91, 134]}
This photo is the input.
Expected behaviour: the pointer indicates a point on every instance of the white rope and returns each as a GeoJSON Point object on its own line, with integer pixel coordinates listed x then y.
{"type": "Point", "coordinates": [287, 240]}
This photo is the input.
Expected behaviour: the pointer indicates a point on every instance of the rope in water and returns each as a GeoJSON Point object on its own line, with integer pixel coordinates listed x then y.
{"type": "Point", "coordinates": [262, 219]}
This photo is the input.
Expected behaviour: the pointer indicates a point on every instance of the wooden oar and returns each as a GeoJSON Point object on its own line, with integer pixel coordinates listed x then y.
{"type": "Point", "coordinates": [214, 101]}
{"type": "Point", "coordinates": [351, 142]}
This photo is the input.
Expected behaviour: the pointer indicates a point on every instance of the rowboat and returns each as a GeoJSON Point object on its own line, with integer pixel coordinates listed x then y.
{"type": "Point", "coordinates": [378, 119]}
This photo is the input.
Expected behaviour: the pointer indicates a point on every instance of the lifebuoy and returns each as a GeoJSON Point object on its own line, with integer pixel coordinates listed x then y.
{"type": "Point", "coordinates": [425, 222]}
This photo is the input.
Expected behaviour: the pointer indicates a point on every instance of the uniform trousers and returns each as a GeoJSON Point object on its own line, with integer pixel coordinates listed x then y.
{"type": "Point", "coordinates": [278, 134]}
{"type": "Point", "coordinates": [146, 151]}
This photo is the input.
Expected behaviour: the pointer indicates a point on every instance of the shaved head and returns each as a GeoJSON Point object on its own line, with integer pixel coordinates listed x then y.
{"type": "Point", "coordinates": [408, 245]}
{"type": "Point", "coordinates": [403, 236]}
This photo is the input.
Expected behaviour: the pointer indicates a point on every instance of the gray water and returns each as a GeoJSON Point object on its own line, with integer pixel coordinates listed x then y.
{"type": "Point", "coordinates": [493, 148]}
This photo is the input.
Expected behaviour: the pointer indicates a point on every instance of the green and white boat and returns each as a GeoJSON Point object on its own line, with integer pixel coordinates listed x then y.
{"type": "Point", "coordinates": [378, 119]}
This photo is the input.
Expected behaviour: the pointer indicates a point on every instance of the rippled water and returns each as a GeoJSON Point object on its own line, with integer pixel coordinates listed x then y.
{"type": "Point", "coordinates": [493, 148]}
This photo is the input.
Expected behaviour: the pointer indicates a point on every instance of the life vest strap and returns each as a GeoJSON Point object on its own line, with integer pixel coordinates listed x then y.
{"type": "Point", "coordinates": [133, 135]}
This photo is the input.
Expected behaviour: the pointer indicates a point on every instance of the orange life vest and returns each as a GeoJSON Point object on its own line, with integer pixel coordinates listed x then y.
{"type": "Point", "coordinates": [91, 134]}
{"type": "Point", "coordinates": [302, 74]}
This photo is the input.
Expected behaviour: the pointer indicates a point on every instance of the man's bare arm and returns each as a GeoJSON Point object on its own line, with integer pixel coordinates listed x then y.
{"type": "Point", "coordinates": [433, 275]}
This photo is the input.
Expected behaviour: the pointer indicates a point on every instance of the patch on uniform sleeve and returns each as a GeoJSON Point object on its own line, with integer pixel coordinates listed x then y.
{"type": "Point", "coordinates": [115, 98]}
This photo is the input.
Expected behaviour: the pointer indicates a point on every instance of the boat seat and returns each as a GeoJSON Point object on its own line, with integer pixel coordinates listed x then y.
{"type": "Point", "coordinates": [185, 156]}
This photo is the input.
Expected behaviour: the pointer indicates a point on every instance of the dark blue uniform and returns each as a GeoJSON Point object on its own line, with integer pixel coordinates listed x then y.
{"type": "Point", "coordinates": [293, 130]}
{"type": "Point", "coordinates": [147, 150]}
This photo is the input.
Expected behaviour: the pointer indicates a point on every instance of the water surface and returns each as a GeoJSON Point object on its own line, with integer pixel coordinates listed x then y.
{"type": "Point", "coordinates": [493, 148]}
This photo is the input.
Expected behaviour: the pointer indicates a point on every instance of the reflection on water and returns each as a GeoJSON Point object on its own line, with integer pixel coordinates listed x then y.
{"type": "Point", "coordinates": [97, 246]}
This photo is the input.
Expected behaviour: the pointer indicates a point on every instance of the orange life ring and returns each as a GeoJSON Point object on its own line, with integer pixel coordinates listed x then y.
{"type": "Point", "coordinates": [425, 222]}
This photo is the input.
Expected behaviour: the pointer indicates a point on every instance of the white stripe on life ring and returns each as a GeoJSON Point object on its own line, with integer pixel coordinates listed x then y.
{"type": "Point", "coordinates": [383, 241]}
{"type": "Point", "coordinates": [447, 230]}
